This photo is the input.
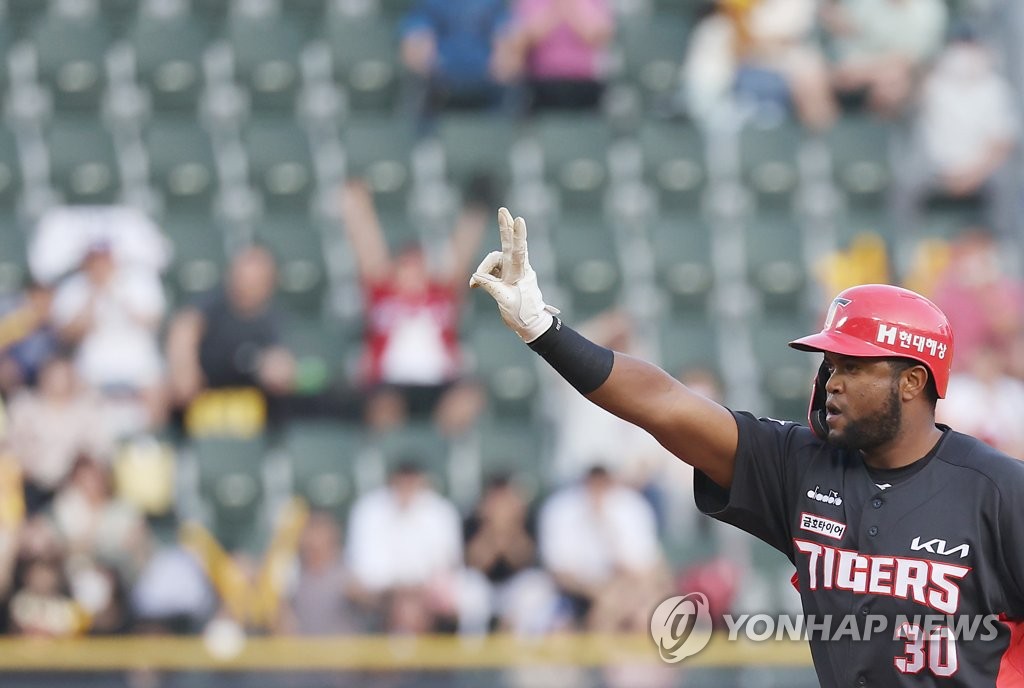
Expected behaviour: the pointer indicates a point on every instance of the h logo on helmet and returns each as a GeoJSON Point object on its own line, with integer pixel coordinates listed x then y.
{"type": "Point", "coordinates": [836, 305]}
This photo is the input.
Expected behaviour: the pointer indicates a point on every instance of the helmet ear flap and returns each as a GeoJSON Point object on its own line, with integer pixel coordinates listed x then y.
{"type": "Point", "coordinates": [816, 411]}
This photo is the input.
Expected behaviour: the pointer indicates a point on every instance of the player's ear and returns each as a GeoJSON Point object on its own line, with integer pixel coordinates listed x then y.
{"type": "Point", "coordinates": [913, 382]}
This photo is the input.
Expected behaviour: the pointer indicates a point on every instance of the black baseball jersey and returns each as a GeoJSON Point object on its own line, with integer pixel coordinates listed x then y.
{"type": "Point", "coordinates": [934, 558]}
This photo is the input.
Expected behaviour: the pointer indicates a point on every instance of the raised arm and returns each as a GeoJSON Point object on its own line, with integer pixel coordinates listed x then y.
{"type": "Point", "coordinates": [362, 227]}
{"type": "Point", "coordinates": [694, 428]}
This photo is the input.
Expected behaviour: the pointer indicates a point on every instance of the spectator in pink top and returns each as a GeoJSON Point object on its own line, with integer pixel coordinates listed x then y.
{"type": "Point", "coordinates": [562, 47]}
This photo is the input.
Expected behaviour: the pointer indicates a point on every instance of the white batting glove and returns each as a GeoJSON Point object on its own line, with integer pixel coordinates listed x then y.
{"type": "Point", "coordinates": [507, 276]}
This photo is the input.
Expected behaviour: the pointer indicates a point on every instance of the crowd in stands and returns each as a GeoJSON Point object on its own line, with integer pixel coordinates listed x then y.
{"type": "Point", "coordinates": [94, 365]}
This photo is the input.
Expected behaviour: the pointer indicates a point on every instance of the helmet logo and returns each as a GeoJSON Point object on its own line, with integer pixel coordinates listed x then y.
{"type": "Point", "coordinates": [836, 304]}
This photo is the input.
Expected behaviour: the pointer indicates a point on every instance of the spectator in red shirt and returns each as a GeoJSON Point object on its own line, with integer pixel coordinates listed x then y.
{"type": "Point", "coordinates": [413, 363]}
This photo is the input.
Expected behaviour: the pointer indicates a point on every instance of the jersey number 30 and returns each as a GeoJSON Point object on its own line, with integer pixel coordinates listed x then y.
{"type": "Point", "coordinates": [935, 649]}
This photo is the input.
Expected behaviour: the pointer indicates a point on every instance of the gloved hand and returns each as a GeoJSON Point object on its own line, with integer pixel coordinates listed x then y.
{"type": "Point", "coordinates": [507, 276]}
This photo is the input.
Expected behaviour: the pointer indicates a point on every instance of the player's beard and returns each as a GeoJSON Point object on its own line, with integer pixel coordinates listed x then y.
{"type": "Point", "coordinates": [875, 430]}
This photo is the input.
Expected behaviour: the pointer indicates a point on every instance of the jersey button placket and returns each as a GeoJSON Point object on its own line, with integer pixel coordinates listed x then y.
{"type": "Point", "coordinates": [877, 503]}
{"type": "Point", "coordinates": [873, 531]}
{"type": "Point", "coordinates": [862, 681]}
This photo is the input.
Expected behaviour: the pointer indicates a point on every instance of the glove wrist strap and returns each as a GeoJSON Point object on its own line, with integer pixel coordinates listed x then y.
{"type": "Point", "coordinates": [584, 364]}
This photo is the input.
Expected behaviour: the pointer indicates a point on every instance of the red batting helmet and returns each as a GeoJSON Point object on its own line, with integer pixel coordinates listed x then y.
{"type": "Point", "coordinates": [882, 320]}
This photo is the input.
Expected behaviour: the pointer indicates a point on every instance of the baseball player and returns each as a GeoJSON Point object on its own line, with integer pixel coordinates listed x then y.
{"type": "Point", "coordinates": [907, 528]}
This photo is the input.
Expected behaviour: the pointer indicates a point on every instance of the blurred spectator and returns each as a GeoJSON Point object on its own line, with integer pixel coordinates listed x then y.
{"type": "Point", "coordinates": [763, 51]}
{"type": "Point", "coordinates": [501, 545]}
{"type": "Point", "coordinates": [413, 363]}
{"type": "Point", "coordinates": [599, 540]}
{"type": "Point", "coordinates": [51, 427]}
{"type": "Point", "coordinates": [985, 306]}
{"type": "Point", "coordinates": [458, 55]}
{"type": "Point", "coordinates": [562, 45]}
{"type": "Point", "coordinates": [987, 402]}
{"type": "Point", "coordinates": [882, 47]}
{"type": "Point", "coordinates": [94, 523]}
{"type": "Point", "coordinates": [404, 550]}
{"type": "Point", "coordinates": [41, 603]}
{"type": "Point", "coordinates": [111, 314]}
{"type": "Point", "coordinates": [320, 603]}
{"type": "Point", "coordinates": [231, 338]}
{"type": "Point", "coordinates": [968, 122]}
{"type": "Point", "coordinates": [26, 336]}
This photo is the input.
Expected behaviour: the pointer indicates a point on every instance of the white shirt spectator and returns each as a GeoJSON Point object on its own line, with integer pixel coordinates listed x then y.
{"type": "Point", "coordinates": [966, 109]}
{"type": "Point", "coordinates": [388, 546]}
{"type": "Point", "coordinates": [121, 346]}
{"type": "Point", "coordinates": [592, 545]}
{"type": "Point", "coordinates": [990, 410]}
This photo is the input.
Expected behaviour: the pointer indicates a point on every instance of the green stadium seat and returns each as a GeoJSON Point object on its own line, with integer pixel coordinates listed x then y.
{"type": "Point", "coordinates": [13, 258]}
{"type": "Point", "coordinates": [323, 344]}
{"type": "Point", "coordinates": [181, 162]}
{"type": "Point", "coordinates": [267, 50]}
{"type": "Point", "coordinates": [231, 486]}
{"type": "Point", "coordinates": [199, 255]}
{"type": "Point", "coordinates": [768, 158]}
{"type": "Point", "coordinates": [309, 15]}
{"type": "Point", "coordinates": [280, 162]}
{"type": "Point", "coordinates": [775, 263]}
{"type": "Point", "coordinates": [860, 159]}
{"type": "Point", "coordinates": [519, 449]}
{"type": "Point", "coordinates": [22, 15]}
{"type": "Point", "coordinates": [674, 163]}
{"type": "Point", "coordinates": [119, 14]}
{"type": "Point", "coordinates": [302, 275]}
{"type": "Point", "coordinates": [71, 54]}
{"type": "Point", "coordinates": [473, 143]}
{"type": "Point", "coordinates": [575, 157]}
{"type": "Point", "coordinates": [322, 457]}
{"type": "Point", "coordinates": [785, 373]}
{"type": "Point", "coordinates": [682, 259]}
{"type": "Point", "coordinates": [168, 60]}
{"type": "Point", "coordinates": [653, 48]}
{"type": "Point", "coordinates": [420, 443]}
{"type": "Point", "coordinates": [687, 342]}
{"type": "Point", "coordinates": [587, 262]}
{"type": "Point", "coordinates": [507, 368]}
{"type": "Point", "coordinates": [6, 41]}
{"type": "Point", "coordinates": [399, 231]}
{"type": "Point", "coordinates": [83, 161]}
{"type": "Point", "coordinates": [365, 54]}
{"type": "Point", "coordinates": [377, 148]}
{"type": "Point", "coordinates": [10, 169]}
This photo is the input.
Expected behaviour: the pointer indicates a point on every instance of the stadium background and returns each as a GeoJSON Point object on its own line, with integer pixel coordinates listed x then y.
{"type": "Point", "coordinates": [229, 122]}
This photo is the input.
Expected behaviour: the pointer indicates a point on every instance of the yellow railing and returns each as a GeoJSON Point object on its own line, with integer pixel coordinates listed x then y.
{"type": "Point", "coordinates": [368, 653]}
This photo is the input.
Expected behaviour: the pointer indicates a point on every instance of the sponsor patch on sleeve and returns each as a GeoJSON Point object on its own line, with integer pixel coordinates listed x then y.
{"type": "Point", "coordinates": [813, 523]}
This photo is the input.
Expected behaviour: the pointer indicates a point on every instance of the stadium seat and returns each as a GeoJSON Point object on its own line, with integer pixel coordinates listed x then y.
{"type": "Point", "coordinates": [775, 262]}
{"type": "Point", "coordinates": [518, 449]}
{"type": "Point", "coordinates": [266, 50]}
{"type": "Point", "coordinates": [199, 255]}
{"type": "Point", "coordinates": [323, 344]}
{"type": "Point", "coordinates": [22, 15]}
{"type": "Point", "coordinates": [653, 48]}
{"type": "Point", "coordinates": [181, 162]}
{"type": "Point", "coordinates": [674, 162]}
{"type": "Point", "coordinates": [308, 15]}
{"type": "Point", "coordinates": [686, 342]}
{"type": "Point", "coordinates": [399, 231]}
{"type": "Point", "coordinates": [6, 41]}
{"type": "Point", "coordinates": [71, 53]}
{"type": "Point", "coordinates": [365, 54]}
{"type": "Point", "coordinates": [682, 259]}
{"type": "Point", "coordinates": [768, 158]}
{"type": "Point", "coordinates": [231, 486]}
{"type": "Point", "coordinates": [377, 148]}
{"type": "Point", "coordinates": [83, 162]}
{"type": "Point", "coordinates": [299, 250]}
{"type": "Point", "coordinates": [785, 373]}
{"type": "Point", "coordinates": [322, 457]}
{"type": "Point", "coordinates": [168, 59]}
{"type": "Point", "coordinates": [13, 258]}
{"type": "Point", "coordinates": [418, 442]}
{"type": "Point", "coordinates": [587, 262]}
{"type": "Point", "coordinates": [119, 14]}
{"type": "Point", "coordinates": [473, 143]}
{"type": "Point", "coordinates": [280, 162]}
{"type": "Point", "coordinates": [860, 159]}
{"type": "Point", "coordinates": [10, 169]}
{"type": "Point", "coordinates": [506, 367]}
{"type": "Point", "coordinates": [575, 157]}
